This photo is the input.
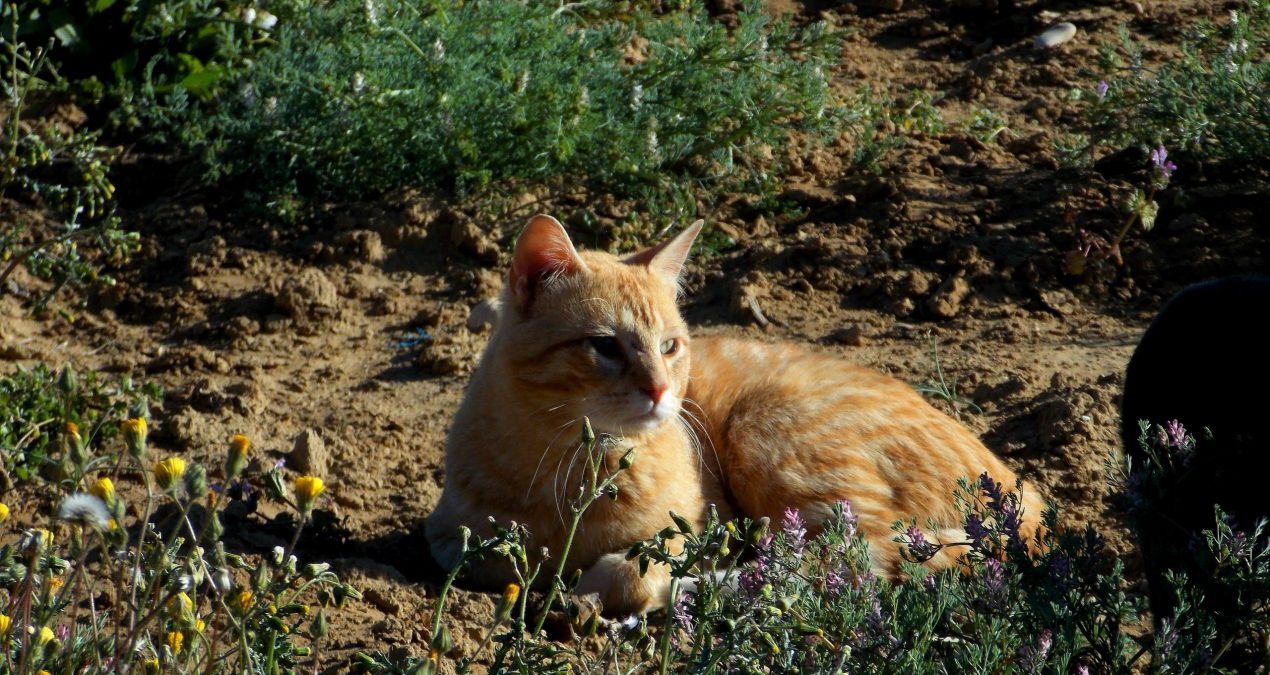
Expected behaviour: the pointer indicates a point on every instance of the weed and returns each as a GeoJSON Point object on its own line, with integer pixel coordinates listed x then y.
{"type": "Point", "coordinates": [102, 590]}
{"type": "Point", "coordinates": [66, 171]}
{"type": "Point", "coordinates": [1209, 102]}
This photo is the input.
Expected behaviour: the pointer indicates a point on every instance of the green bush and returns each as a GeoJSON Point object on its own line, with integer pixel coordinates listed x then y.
{"type": "Point", "coordinates": [799, 604]}
{"type": "Point", "coordinates": [472, 98]}
{"type": "Point", "coordinates": [110, 46]}
{"type": "Point", "coordinates": [55, 168]}
{"type": "Point", "coordinates": [1210, 101]}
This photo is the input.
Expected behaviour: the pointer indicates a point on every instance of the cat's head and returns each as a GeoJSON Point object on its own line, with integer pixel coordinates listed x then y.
{"type": "Point", "coordinates": [591, 334]}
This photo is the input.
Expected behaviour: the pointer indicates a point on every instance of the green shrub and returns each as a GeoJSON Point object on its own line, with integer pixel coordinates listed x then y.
{"type": "Point", "coordinates": [63, 170]}
{"type": "Point", "coordinates": [799, 604]}
{"type": "Point", "coordinates": [110, 46]}
{"type": "Point", "coordinates": [475, 97]}
{"type": "Point", "coordinates": [1210, 101]}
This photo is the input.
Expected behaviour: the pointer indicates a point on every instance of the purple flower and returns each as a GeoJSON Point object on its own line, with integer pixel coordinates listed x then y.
{"type": "Point", "coordinates": [834, 584]}
{"type": "Point", "coordinates": [62, 632]}
{"type": "Point", "coordinates": [994, 578]}
{"type": "Point", "coordinates": [1082, 669]}
{"type": "Point", "coordinates": [683, 612]}
{"type": "Point", "coordinates": [754, 577]}
{"type": "Point", "coordinates": [1102, 89]}
{"type": "Point", "coordinates": [795, 530]}
{"type": "Point", "coordinates": [1163, 168]}
{"type": "Point", "coordinates": [1176, 434]}
{"type": "Point", "coordinates": [1032, 657]}
{"type": "Point", "coordinates": [1011, 521]}
{"type": "Point", "coordinates": [976, 531]}
{"type": "Point", "coordinates": [917, 544]}
{"type": "Point", "coordinates": [851, 520]}
{"type": "Point", "coordinates": [992, 489]}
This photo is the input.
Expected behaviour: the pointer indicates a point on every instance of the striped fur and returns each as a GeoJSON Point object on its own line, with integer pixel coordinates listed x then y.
{"type": "Point", "coordinates": [751, 427]}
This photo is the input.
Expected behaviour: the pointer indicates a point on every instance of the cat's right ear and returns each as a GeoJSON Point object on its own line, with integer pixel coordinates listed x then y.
{"type": "Point", "coordinates": [543, 252]}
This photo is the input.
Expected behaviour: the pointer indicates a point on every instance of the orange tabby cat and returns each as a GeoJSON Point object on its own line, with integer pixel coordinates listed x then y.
{"type": "Point", "coordinates": [754, 428]}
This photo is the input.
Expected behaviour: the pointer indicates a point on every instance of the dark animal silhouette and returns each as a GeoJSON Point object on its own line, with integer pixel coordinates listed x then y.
{"type": "Point", "coordinates": [1205, 362]}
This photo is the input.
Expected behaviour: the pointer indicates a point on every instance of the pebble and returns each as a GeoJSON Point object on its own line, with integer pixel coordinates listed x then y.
{"type": "Point", "coordinates": [1055, 35]}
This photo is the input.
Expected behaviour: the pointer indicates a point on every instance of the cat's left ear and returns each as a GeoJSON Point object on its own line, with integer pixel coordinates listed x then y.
{"type": "Point", "coordinates": [669, 256]}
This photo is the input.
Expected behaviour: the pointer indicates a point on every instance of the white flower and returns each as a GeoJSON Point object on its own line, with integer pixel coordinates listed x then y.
{"type": "Point", "coordinates": [438, 49]}
{"type": "Point", "coordinates": [637, 96]}
{"type": "Point", "coordinates": [249, 15]}
{"type": "Point", "coordinates": [359, 83]}
{"type": "Point", "coordinates": [85, 509]}
{"type": "Point", "coordinates": [372, 12]}
{"type": "Point", "coordinates": [222, 580]}
{"type": "Point", "coordinates": [265, 20]}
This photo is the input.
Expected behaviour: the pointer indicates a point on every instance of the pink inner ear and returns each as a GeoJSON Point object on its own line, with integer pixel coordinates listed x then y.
{"type": "Point", "coordinates": [543, 252]}
{"type": "Point", "coordinates": [669, 256]}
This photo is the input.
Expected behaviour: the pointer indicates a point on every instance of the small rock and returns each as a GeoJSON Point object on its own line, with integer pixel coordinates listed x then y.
{"type": "Point", "coordinates": [851, 336]}
{"type": "Point", "coordinates": [945, 302]}
{"type": "Point", "coordinates": [468, 238]}
{"type": "Point", "coordinates": [362, 246]}
{"type": "Point", "coordinates": [383, 601]}
{"type": "Point", "coordinates": [307, 295]}
{"type": "Point", "coordinates": [309, 455]}
{"type": "Point", "coordinates": [483, 315]}
{"type": "Point", "coordinates": [1055, 35]}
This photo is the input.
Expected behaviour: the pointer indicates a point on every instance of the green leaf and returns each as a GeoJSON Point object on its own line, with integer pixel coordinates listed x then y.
{"type": "Point", "coordinates": [64, 29]}
{"type": "Point", "coordinates": [1149, 212]}
{"type": "Point", "coordinates": [100, 6]}
{"type": "Point", "coordinates": [203, 82]}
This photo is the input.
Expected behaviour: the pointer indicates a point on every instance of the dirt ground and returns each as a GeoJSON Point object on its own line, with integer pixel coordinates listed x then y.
{"type": "Point", "coordinates": [295, 336]}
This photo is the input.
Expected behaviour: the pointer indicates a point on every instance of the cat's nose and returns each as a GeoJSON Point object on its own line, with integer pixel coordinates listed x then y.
{"type": "Point", "coordinates": [655, 391]}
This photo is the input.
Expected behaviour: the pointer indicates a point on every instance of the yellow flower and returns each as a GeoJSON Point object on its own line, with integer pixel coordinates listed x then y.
{"type": "Point", "coordinates": [237, 457]}
{"type": "Point", "coordinates": [134, 435]}
{"type": "Point", "coordinates": [199, 626]}
{"type": "Point", "coordinates": [5, 624]}
{"type": "Point", "coordinates": [307, 489]}
{"type": "Point", "coordinates": [72, 429]}
{"type": "Point", "coordinates": [505, 604]}
{"type": "Point", "coordinates": [103, 489]}
{"type": "Point", "coordinates": [46, 635]}
{"type": "Point", "coordinates": [175, 641]}
{"type": "Point", "coordinates": [168, 471]}
{"type": "Point", "coordinates": [180, 607]}
{"type": "Point", "coordinates": [245, 601]}
{"type": "Point", "coordinates": [112, 525]}
{"type": "Point", "coordinates": [239, 444]}
{"type": "Point", "coordinates": [43, 672]}
{"type": "Point", "coordinates": [4, 513]}
{"type": "Point", "coordinates": [55, 582]}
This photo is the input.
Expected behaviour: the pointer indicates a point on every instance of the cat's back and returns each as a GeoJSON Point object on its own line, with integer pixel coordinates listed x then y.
{"type": "Point", "coordinates": [793, 426]}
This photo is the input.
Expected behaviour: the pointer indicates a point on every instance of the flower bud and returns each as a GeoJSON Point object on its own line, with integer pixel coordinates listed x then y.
{"type": "Point", "coordinates": [236, 458]}
{"type": "Point", "coordinates": [168, 471]}
{"type": "Point", "coordinates": [134, 436]}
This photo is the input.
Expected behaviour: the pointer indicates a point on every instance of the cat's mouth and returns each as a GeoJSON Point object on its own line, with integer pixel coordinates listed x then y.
{"type": "Point", "coordinates": [642, 419]}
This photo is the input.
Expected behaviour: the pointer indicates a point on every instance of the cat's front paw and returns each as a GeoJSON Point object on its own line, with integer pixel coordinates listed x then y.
{"type": "Point", "coordinates": [620, 587]}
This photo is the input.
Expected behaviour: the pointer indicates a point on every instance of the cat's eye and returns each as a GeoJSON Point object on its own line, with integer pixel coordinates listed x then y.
{"type": "Point", "coordinates": [606, 346]}
{"type": "Point", "coordinates": [670, 346]}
